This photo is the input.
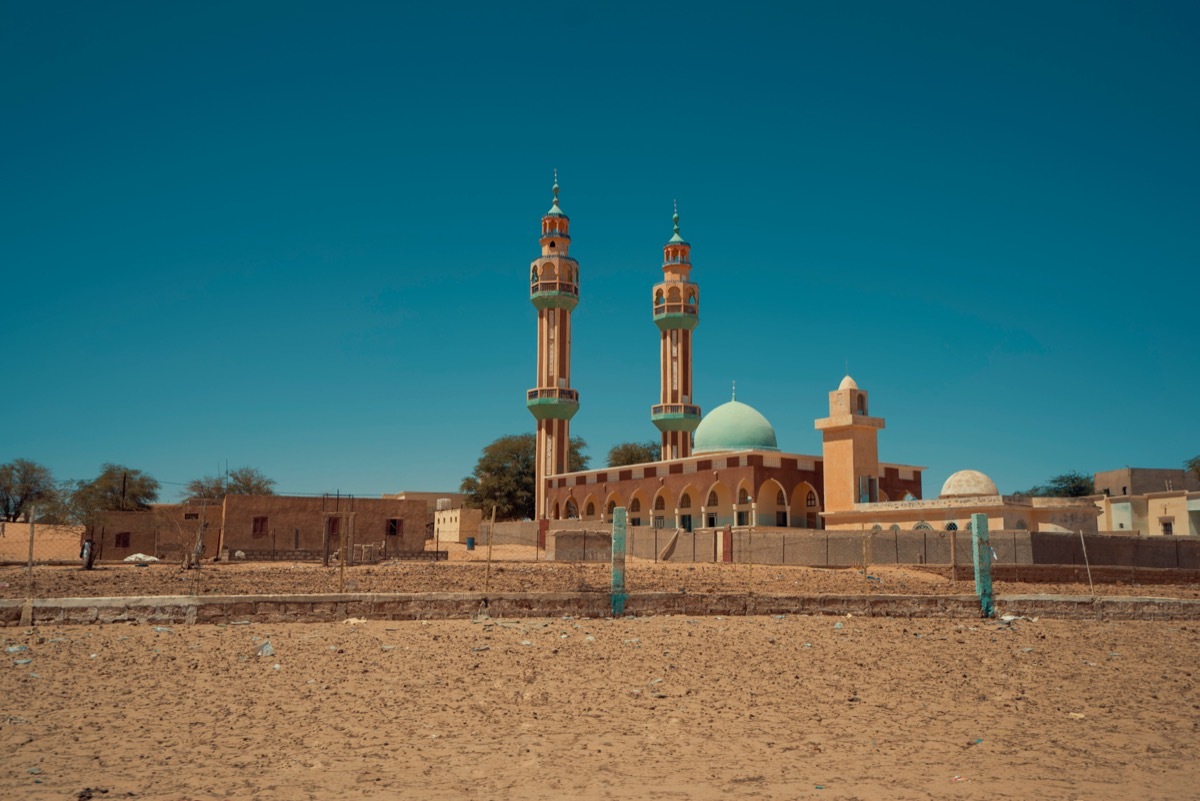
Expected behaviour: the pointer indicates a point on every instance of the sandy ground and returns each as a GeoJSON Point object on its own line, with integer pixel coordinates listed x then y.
{"type": "Point", "coordinates": [657, 708]}
{"type": "Point", "coordinates": [516, 571]}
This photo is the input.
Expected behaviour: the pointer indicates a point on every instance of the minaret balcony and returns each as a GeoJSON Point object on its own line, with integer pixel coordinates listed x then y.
{"type": "Point", "coordinates": [551, 403]}
{"type": "Point", "coordinates": [554, 294]}
{"type": "Point", "coordinates": [668, 316]}
{"type": "Point", "coordinates": [675, 416]}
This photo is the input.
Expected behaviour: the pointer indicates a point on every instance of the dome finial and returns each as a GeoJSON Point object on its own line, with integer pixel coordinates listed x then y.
{"type": "Point", "coordinates": [555, 211]}
{"type": "Point", "coordinates": [734, 391]}
{"type": "Point", "coordinates": [676, 238]}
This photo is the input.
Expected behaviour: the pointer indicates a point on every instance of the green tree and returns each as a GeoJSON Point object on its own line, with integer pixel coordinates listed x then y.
{"type": "Point", "coordinates": [22, 484]}
{"type": "Point", "coordinates": [626, 453]}
{"type": "Point", "coordinates": [242, 481]}
{"type": "Point", "coordinates": [504, 476]}
{"type": "Point", "coordinates": [1066, 485]}
{"type": "Point", "coordinates": [117, 489]}
{"type": "Point", "coordinates": [1193, 465]}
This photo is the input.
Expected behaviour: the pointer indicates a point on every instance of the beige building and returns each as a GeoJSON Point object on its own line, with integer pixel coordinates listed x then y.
{"type": "Point", "coordinates": [456, 525]}
{"type": "Point", "coordinates": [1149, 501]}
{"type": "Point", "coordinates": [268, 527]}
{"type": "Point", "coordinates": [966, 493]}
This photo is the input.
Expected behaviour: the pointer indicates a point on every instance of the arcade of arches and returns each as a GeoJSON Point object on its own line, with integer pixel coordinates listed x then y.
{"type": "Point", "coordinates": [738, 476]}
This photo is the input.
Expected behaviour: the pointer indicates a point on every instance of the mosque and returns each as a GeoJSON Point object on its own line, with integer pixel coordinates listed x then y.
{"type": "Point", "coordinates": [726, 468]}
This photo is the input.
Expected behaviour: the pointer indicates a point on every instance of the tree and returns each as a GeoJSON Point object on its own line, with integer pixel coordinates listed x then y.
{"type": "Point", "coordinates": [117, 489]}
{"type": "Point", "coordinates": [242, 481]}
{"type": "Point", "coordinates": [626, 453]}
{"type": "Point", "coordinates": [22, 484]}
{"type": "Point", "coordinates": [504, 475]}
{"type": "Point", "coordinates": [1193, 465]}
{"type": "Point", "coordinates": [1066, 485]}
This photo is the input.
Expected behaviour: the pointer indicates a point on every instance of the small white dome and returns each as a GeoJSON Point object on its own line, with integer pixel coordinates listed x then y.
{"type": "Point", "coordinates": [847, 383]}
{"type": "Point", "coordinates": [966, 483]}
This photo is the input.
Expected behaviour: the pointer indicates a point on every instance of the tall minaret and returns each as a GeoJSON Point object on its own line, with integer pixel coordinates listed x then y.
{"type": "Point", "coordinates": [676, 302]}
{"type": "Point", "coordinates": [554, 290]}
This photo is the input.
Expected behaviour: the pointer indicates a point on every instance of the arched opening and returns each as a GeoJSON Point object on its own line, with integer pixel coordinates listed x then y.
{"type": "Point", "coordinates": [952, 526]}
{"type": "Point", "coordinates": [635, 510]}
{"type": "Point", "coordinates": [572, 509]}
{"type": "Point", "coordinates": [685, 508]}
{"type": "Point", "coordinates": [742, 511]}
{"type": "Point", "coordinates": [772, 504]}
{"type": "Point", "coordinates": [611, 503]}
{"type": "Point", "coordinates": [658, 298]}
{"type": "Point", "coordinates": [862, 404]}
{"type": "Point", "coordinates": [922, 526]}
{"type": "Point", "coordinates": [719, 509]}
{"type": "Point", "coordinates": [806, 507]}
{"type": "Point", "coordinates": [556, 517]}
{"type": "Point", "coordinates": [895, 529]}
{"type": "Point", "coordinates": [589, 508]}
{"type": "Point", "coordinates": [660, 510]}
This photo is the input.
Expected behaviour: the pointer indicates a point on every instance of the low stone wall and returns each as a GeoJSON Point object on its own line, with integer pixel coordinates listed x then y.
{"type": "Point", "coordinates": [231, 609]}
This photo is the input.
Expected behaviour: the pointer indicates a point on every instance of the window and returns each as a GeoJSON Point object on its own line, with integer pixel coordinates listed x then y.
{"type": "Point", "coordinates": [895, 528]}
{"type": "Point", "coordinates": [395, 527]}
{"type": "Point", "coordinates": [685, 502]}
{"type": "Point", "coordinates": [743, 518]}
{"type": "Point", "coordinates": [922, 526]}
{"type": "Point", "coordinates": [121, 539]}
{"type": "Point", "coordinates": [635, 521]}
{"type": "Point", "coordinates": [712, 498]}
{"type": "Point", "coordinates": [259, 527]}
{"type": "Point", "coordinates": [635, 506]}
{"type": "Point", "coordinates": [1168, 527]}
{"type": "Point", "coordinates": [876, 529]}
{"type": "Point", "coordinates": [660, 521]}
{"type": "Point", "coordinates": [952, 526]}
{"type": "Point", "coordinates": [333, 526]}
{"type": "Point", "coordinates": [591, 509]}
{"type": "Point", "coordinates": [612, 505]}
{"type": "Point", "coordinates": [811, 500]}
{"type": "Point", "coordinates": [743, 496]}
{"type": "Point", "coordinates": [191, 515]}
{"type": "Point", "coordinates": [660, 503]}
{"type": "Point", "coordinates": [780, 499]}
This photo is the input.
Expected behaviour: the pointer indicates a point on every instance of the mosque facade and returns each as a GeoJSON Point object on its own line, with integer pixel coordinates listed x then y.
{"type": "Point", "coordinates": [723, 468]}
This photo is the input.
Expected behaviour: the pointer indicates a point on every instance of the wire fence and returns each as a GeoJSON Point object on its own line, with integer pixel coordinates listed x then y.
{"type": "Point", "coordinates": [41, 561]}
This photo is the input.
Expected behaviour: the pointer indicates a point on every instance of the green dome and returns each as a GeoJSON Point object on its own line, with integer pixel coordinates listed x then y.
{"type": "Point", "coordinates": [734, 426]}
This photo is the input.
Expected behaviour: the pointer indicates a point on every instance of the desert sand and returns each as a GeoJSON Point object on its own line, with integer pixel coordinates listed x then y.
{"type": "Point", "coordinates": [665, 707]}
{"type": "Point", "coordinates": [652, 708]}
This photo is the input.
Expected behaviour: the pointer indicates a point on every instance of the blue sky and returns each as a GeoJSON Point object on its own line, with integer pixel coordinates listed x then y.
{"type": "Point", "coordinates": [296, 235]}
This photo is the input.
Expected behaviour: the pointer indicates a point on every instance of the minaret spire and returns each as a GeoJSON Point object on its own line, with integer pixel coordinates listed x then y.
{"type": "Point", "coordinates": [554, 292]}
{"type": "Point", "coordinates": [676, 310]}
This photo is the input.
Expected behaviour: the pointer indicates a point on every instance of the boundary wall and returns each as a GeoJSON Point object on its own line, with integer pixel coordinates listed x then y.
{"type": "Point", "coordinates": [828, 548]}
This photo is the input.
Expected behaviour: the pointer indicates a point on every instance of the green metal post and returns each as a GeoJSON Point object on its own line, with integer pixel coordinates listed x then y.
{"type": "Point", "coordinates": [618, 595]}
{"type": "Point", "coordinates": [981, 548]}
